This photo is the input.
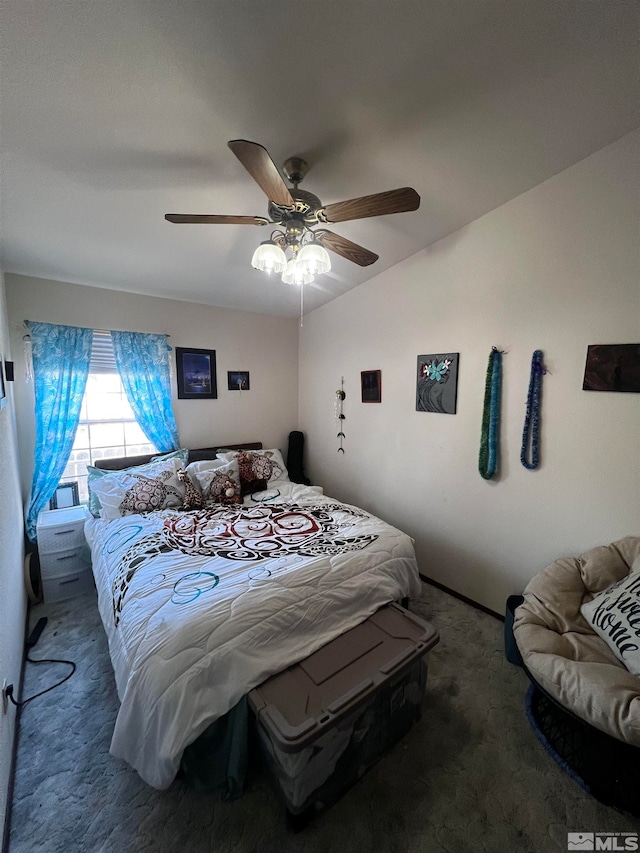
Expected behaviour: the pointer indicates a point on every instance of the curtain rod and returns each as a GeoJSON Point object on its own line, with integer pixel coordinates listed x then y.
{"type": "Point", "coordinates": [25, 323]}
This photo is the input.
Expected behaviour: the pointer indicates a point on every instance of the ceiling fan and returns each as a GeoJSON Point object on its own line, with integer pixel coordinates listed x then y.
{"type": "Point", "coordinates": [296, 211]}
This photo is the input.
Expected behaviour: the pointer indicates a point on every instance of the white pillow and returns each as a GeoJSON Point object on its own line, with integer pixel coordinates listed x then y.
{"type": "Point", "coordinates": [218, 479]}
{"type": "Point", "coordinates": [146, 488]}
{"type": "Point", "coordinates": [615, 616]}
{"type": "Point", "coordinates": [196, 468]}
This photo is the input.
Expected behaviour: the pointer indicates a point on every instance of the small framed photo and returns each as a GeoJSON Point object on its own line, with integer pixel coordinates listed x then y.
{"type": "Point", "coordinates": [371, 385]}
{"type": "Point", "coordinates": [238, 380]}
{"type": "Point", "coordinates": [65, 495]}
{"type": "Point", "coordinates": [196, 373]}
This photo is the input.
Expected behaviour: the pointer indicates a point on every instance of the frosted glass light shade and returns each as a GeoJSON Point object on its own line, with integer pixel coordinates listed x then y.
{"type": "Point", "coordinates": [315, 259]}
{"type": "Point", "coordinates": [296, 273]}
{"type": "Point", "coordinates": [269, 258]}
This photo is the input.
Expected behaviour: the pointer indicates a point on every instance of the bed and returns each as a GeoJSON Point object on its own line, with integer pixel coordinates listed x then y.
{"type": "Point", "coordinates": [202, 603]}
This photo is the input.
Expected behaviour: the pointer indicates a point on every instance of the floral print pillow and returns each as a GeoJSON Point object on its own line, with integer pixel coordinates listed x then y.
{"type": "Point", "coordinates": [259, 469]}
{"type": "Point", "coordinates": [147, 488]}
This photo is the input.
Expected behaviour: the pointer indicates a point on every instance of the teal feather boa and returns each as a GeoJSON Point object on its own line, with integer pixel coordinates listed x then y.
{"type": "Point", "coordinates": [489, 437]}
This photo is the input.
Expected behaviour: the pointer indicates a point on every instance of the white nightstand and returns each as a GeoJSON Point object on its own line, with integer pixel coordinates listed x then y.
{"type": "Point", "coordinates": [64, 556]}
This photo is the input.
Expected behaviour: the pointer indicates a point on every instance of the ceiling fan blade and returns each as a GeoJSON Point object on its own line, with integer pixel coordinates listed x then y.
{"type": "Point", "coordinates": [378, 204]}
{"type": "Point", "coordinates": [215, 220]}
{"type": "Point", "coordinates": [256, 160]}
{"type": "Point", "coordinates": [341, 246]}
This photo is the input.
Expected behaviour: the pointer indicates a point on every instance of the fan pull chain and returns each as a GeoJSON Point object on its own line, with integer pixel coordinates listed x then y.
{"type": "Point", "coordinates": [301, 305]}
{"type": "Point", "coordinates": [488, 459]}
{"type": "Point", "coordinates": [530, 434]}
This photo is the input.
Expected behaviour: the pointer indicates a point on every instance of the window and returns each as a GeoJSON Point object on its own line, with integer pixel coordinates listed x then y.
{"type": "Point", "coordinates": [107, 426]}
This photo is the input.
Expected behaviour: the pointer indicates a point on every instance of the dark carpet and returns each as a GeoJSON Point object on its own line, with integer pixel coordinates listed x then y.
{"type": "Point", "coordinates": [470, 776]}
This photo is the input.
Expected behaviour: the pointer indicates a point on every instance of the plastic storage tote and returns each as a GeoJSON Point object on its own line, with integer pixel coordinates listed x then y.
{"type": "Point", "coordinates": [325, 721]}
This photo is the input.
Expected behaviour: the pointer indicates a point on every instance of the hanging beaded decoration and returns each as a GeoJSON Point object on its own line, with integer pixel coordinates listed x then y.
{"type": "Point", "coordinates": [532, 418]}
{"type": "Point", "coordinates": [488, 460]}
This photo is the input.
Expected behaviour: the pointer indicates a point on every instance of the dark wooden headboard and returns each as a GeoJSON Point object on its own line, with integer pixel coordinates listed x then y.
{"type": "Point", "coordinates": [197, 455]}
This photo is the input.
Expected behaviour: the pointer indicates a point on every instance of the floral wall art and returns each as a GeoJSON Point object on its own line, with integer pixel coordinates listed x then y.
{"type": "Point", "coordinates": [437, 383]}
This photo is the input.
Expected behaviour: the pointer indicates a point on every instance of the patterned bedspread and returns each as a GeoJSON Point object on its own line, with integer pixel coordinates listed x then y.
{"type": "Point", "coordinates": [202, 606]}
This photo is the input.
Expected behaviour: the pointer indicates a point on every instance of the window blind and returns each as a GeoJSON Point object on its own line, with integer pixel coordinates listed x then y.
{"type": "Point", "coordinates": [102, 358]}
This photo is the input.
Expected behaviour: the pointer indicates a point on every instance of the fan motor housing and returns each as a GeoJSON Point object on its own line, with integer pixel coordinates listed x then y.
{"type": "Point", "coordinates": [305, 207]}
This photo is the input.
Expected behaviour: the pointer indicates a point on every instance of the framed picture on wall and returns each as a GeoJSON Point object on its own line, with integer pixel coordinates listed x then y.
{"type": "Point", "coordinates": [612, 367]}
{"type": "Point", "coordinates": [196, 373]}
{"type": "Point", "coordinates": [437, 383]}
{"type": "Point", "coordinates": [371, 386]}
{"type": "Point", "coordinates": [238, 380]}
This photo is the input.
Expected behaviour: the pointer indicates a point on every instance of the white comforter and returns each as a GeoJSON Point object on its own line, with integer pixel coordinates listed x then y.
{"type": "Point", "coordinates": [209, 604]}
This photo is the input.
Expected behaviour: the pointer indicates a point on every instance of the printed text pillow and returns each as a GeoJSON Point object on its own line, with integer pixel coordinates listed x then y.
{"type": "Point", "coordinates": [615, 616]}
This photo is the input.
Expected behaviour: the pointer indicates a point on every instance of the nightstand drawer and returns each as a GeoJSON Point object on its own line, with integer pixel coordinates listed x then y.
{"type": "Point", "coordinates": [67, 586]}
{"type": "Point", "coordinates": [63, 562]}
{"type": "Point", "coordinates": [61, 529]}
{"type": "Point", "coordinates": [61, 538]}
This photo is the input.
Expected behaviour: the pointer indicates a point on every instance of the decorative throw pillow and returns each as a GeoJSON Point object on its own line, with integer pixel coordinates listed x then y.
{"type": "Point", "coordinates": [146, 488]}
{"type": "Point", "coordinates": [255, 472]}
{"type": "Point", "coordinates": [615, 616]}
{"type": "Point", "coordinates": [194, 469]}
{"type": "Point", "coordinates": [94, 474]}
{"type": "Point", "coordinates": [259, 469]}
{"type": "Point", "coordinates": [218, 479]}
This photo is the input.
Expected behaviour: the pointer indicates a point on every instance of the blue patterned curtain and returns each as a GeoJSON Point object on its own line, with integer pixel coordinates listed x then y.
{"type": "Point", "coordinates": [61, 357]}
{"type": "Point", "coordinates": [143, 364]}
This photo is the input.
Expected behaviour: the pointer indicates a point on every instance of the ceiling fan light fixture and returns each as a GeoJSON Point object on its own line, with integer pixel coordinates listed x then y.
{"type": "Point", "coordinates": [315, 259]}
{"type": "Point", "coordinates": [297, 212]}
{"type": "Point", "coordinates": [296, 273]}
{"type": "Point", "coordinates": [269, 258]}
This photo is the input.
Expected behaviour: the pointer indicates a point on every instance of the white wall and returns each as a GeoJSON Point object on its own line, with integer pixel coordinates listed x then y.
{"type": "Point", "coordinates": [13, 601]}
{"type": "Point", "coordinates": [555, 269]}
{"type": "Point", "coordinates": [265, 346]}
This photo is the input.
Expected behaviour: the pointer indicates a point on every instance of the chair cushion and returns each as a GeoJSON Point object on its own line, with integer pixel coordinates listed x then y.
{"type": "Point", "coordinates": [561, 650]}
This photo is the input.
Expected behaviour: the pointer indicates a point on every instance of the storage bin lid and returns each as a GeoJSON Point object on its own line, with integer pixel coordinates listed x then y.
{"type": "Point", "coordinates": [296, 705]}
{"type": "Point", "coordinates": [55, 517]}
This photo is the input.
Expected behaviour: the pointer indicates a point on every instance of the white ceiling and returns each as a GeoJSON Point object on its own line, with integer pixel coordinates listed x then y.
{"type": "Point", "coordinates": [116, 112]}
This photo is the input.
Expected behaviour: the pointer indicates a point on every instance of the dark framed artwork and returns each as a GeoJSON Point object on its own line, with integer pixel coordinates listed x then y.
{"type": "Point", "coordinates": [437, 383]}
{"type": "Point", "coordinates": [612, 367]}
{"type": "Point", "coordinates": [238, 380]}
{"type": "Point", "coordinates": [196, 371]}
{"type": "Point", "coordinates": [371, 385]}
{"type": "Point", "coordinates": [65, 495]}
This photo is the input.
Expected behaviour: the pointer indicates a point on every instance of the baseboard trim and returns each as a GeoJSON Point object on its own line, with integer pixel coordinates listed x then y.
{"type": "Point", "coordinates": [462, 597]}
{"type": "Point", "coordinates": [6, 831]}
